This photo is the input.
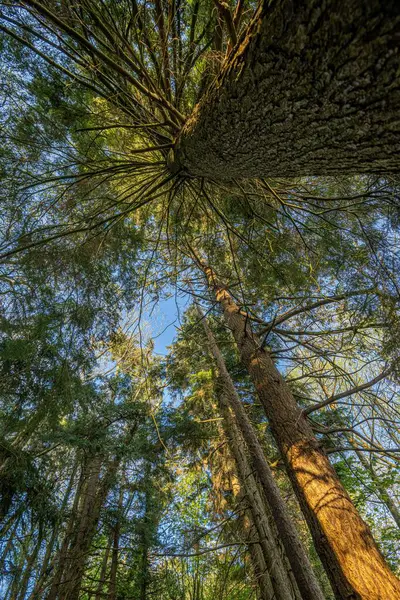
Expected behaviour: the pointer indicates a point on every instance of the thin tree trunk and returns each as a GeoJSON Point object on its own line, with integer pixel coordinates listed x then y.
{"type": "Point", "coordinates": [144, 579]}
{"type": "Point", "coordinates": [29, 566]}
{"type": "Point", "coordinates": [264, 585]}
{"type": "Point", "coordinates": [295, 552]}
{"type": "Point", "coordinates": [344, 542]}
{"type": "Point", "coordinates": [280, 585]}
{"type": "Point", "coordinates": [275, 572]}
{"type": "Point", "coordinates": [73, 554]}
{"type": "Point", "coordinates": [62, 554]}
{"type": "Point", "coordinates": [93, 498]}
{"type": "Point", "coordinates": [380, 490]}
{"type": "Point", "coordinates": [9, 543]}
{"type": "Point", "coordinates": [37, 591]}
{"type": "Point", "coordinates": [21, 559]}
{"type": "Point", "coordinates": [103, 572]}
{"type": "Point", "coordinates": [312, 88]}
{"type": "Point", "coordinates": [112, 588]}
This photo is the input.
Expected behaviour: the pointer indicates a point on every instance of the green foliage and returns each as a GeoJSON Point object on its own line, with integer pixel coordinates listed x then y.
{"type": "Point", "coordinates": [96, 231]}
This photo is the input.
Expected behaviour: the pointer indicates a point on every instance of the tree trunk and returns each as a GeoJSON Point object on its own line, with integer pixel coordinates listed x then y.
{"type": "Point", "coordinates": [93, 499]}
{"type": "Point", "coordinates": [62, 554]}
{"type": "Point", "coordinates": [103, 572]}
{"type": "Point", "coordinates": [280, 585]}
{"type": "Point", "coordinates": [37, 591]}
{"type": "Point", "coordinates": [144, 545]}
{"type": "Point", "coordinates": [380, 490]}
{"type": "Point", "coordinates": [295, 552]}
{"type": "Point", "coordinates": [21, 560]}
{"type": "Point", "coordinates": [73, 556]}
{"type": "Point", "coordinates": [264, 585]}
{"type": "Point", "coordinates": [9, 544]}
{"type": "Point", "coordinates": [30, 562]}
{"type": "Point", "coordinates": [112, 588]}
{"type": "Point", "coordinates": [355, 566]}
{"type": "Point", "coordinates": [311, 89]}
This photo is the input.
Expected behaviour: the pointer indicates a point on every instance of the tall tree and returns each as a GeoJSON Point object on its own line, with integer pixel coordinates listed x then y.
{"type": "Point", "coordinates": [296, 555]}
{"type": "Point", "coordinates": [311, 88]}
{"type": "Point", "coordinates": [358, 570]}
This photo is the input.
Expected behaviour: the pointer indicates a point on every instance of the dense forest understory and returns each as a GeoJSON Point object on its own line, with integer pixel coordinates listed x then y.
{"type": "Point", "coordinates": [199, 292]}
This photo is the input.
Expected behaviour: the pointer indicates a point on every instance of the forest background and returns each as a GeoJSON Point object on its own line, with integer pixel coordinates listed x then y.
{"type": "Point", "coordinates": [191, 204]}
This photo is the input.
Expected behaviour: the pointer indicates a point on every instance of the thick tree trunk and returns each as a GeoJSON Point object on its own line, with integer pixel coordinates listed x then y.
{"type": "Point", "coordinates": [354, 565]}
{"type": "Point", "coordinates": [312, 89]}
{"type": "Point", "coordinates": [295, 552]}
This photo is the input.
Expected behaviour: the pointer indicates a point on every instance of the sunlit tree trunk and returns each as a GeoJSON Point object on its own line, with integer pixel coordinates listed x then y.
{"type": "Point", "coordinates": [344, 542]}
{"type": "Point", "coordinates": [311, 89]}
{"type": "Point", "coordinates": [295, 552]}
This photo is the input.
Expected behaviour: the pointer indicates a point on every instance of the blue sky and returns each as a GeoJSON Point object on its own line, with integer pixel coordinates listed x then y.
{"type": "Point", "coordinates": [164, 320]}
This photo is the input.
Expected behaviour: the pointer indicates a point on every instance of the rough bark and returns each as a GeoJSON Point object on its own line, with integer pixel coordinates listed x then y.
{"type": "Point", "coordinates": [280, 584]}
{"type": "Point", "coordinates": [295, 552]}
{"type": "Point", "coordinates": [312, 89]}
{"type": "Point", "coordinates": [355, 567]}
{"type": "Point", "coordinates": [264, 586]}
{"type": "Point", "coordinates": [75, 560]}
{"type": "Point", "coordinates": [263, 582]}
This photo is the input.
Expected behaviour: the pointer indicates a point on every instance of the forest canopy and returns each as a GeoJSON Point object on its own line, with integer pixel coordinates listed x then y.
{"type": "Point", "coordinates": [199, 279]}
